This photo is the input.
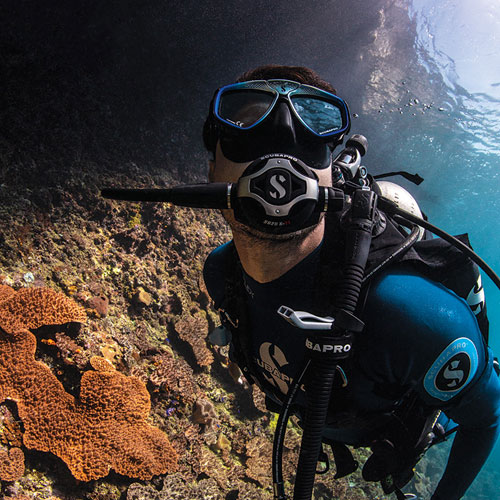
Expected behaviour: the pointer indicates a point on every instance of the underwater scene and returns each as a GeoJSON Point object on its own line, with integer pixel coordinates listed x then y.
{"type": "Point", "coordinates": [109, 386]}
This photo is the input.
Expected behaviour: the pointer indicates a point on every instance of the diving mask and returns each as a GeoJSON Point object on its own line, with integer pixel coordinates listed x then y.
{"type": "Point", "coordinates": [247, 104]}
{"type": "Point", "coordinates": [260, 117]}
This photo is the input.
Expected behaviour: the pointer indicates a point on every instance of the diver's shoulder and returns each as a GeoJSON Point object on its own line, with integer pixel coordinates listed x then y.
{"type": "Point", "coordinates": [219, 256]}
{"type": "Point", "coordinates": [403, 283]}
{"type": "Point", "coordinates": [404, 289]}
{"type": "Point", "coordinates": [216, 268]}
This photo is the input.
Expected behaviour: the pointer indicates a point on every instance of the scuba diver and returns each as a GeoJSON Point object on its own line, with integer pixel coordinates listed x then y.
{"type": "Point", "coordinates": [410, 357]}
{"type": "Point", "coordinates": [333, 295]}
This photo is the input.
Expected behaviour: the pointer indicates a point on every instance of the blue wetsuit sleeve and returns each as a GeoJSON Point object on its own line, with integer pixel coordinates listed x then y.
{"type": "Point", "coordinates": [427, 338]}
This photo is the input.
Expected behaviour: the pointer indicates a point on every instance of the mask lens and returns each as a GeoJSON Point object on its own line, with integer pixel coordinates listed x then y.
{"type": "Point", "coordinates": [321, 116]}
{"type": "Point", "coordinates": [244, 108]}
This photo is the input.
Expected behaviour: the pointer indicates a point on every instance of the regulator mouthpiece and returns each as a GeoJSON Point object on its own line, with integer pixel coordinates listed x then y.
{"type": "Point", "coordinates": [280, 194]}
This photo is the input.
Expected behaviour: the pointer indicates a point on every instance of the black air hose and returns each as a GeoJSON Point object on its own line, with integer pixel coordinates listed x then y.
{"type": "Point", "coordinates": [323, 366]}
{"type": "Point", "coordinates": [279, 435]}
{"type": "Point", "coordinates": [351, 287]}
{"type": "Point", "coordinates": [318, 396]}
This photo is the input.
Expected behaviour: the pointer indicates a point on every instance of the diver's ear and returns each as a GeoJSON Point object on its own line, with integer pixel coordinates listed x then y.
{"type": "Point", "coordinates": [211, 169]}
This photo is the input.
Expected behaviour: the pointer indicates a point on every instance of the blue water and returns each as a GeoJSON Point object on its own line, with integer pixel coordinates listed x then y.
{"type": "Point", "coordinates": [439, 115]}
{"type": "Point", "coordinates": [461, 41]}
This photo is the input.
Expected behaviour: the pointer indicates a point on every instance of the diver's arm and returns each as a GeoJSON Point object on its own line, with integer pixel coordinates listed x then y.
{"type": "Point", "coordinates": [478, 416]}
{"type": "Point", "coordinates": [417, 329]}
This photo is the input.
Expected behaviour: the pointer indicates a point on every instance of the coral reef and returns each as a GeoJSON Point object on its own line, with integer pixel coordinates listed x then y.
{"type": "Point", "coordinates": [176, 488]}
{"type": "Point", "coordinates": [175, 376]}
{"type": "Point", "coordinates": [194, 330]}
{"type": "Point", "coordinates": [150, 335]}
{"type": "Point", "coordinates": [11, 464]}
{"type": "Point", "coordinates": [105, 428]}
{"type": "Point", "coordinates": [259, 451]}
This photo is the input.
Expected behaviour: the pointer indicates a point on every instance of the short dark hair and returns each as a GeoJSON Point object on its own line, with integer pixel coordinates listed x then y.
{"type": "Point", "coordinates": [299, 74]}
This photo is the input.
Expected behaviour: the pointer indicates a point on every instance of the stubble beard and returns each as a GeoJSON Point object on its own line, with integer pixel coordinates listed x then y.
{"type": "Point", "coordinates": [254, 236]}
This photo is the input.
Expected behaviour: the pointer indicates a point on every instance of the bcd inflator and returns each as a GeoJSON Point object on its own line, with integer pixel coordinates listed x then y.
{"type": "Point", "coordinates": [276, 194]}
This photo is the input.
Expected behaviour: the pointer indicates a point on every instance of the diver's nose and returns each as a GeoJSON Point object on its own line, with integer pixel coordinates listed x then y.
{"type": "Point", "coordinates": [283, 125]}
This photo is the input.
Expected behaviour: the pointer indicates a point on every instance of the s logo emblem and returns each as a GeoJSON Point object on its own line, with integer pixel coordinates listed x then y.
{"type": "Point", "coordinates": [277, 182]}
{"type": "Point", "coordinates": [453, 375]}
{"type": "Point", "coordinates": [452, 370]}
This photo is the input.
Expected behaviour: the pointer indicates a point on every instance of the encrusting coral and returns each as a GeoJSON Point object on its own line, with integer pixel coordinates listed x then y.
{"type": "Point", "coordinates": [11, 464]}
{"type": "Point", "coordinates": [176, 488]}
{"type": "Point", "coordinates": [204, 413]}
{"type": "Point", "coordinates": [31, 308]}
{"type": "Point", "coordinates": [105, 428]}
{"type": "Point", "coordinates": [175, 375]}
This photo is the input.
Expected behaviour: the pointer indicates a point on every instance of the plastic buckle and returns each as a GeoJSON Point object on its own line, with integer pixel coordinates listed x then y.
{"type": "Point", "coordinates": [347, 321]}
{"type": "Point", "coordinates": [323, 459]}
{"type": "Point", "coordinates": [305, 320]}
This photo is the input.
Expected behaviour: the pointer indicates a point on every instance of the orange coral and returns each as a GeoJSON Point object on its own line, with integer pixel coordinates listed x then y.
{"type": "Point", "coordinates": [101, 364]}
{"type": "Point", "coordinates": [5, 292]}
{"type": "Point", "coordinates": [106, 428]}
{"type": "Point", "coordinates": [11, 464]}
{"type": "Point", "coordinates": [34, 307]}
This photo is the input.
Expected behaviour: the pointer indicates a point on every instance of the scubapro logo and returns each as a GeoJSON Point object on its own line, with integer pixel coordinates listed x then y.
{"type": "Point", "coordinates": [328, 347]}
{"type": "Point", "coordinates": [272, 359]}
{"type": "Point", "coordinates": [454, 373]}
{"type": "Point", "coordinates": [452, 370]}
{"type": "Point", "coordinates": [277, 182]}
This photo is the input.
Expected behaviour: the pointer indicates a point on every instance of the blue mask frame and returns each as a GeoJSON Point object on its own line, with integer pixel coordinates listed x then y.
{"type": "Point", "coordinates": [322, 113]}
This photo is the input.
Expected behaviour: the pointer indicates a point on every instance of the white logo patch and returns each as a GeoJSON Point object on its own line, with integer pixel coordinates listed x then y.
{"type": "Point", "coordinates": [453, 369]}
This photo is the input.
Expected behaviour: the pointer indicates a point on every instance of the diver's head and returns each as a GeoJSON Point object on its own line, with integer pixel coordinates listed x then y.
{"type": "Point", "coordinates": [273, 111]}
{"type": "Point", "coordinates": [277, 109]}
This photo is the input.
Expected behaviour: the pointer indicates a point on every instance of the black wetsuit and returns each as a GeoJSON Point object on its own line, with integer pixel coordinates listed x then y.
{"type": "Point", "coordinates": [418, 335]}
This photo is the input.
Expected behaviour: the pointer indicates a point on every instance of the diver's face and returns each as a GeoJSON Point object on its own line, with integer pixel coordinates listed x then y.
{"type": "Point", "coordinates": [279, 133]}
